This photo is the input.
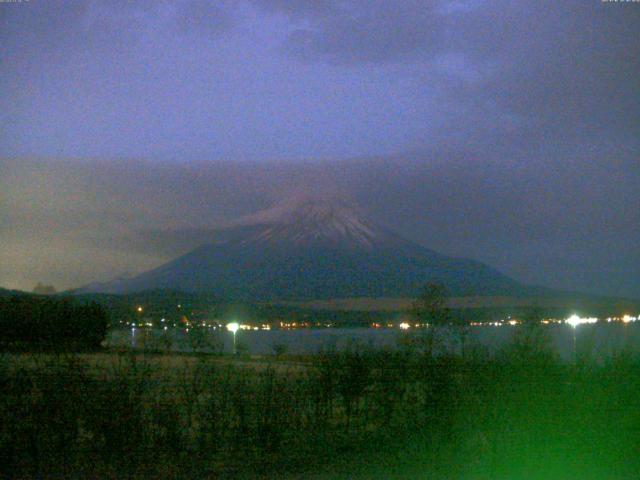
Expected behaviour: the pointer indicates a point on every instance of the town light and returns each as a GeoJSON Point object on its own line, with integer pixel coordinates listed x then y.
{"type": "Point", "coordinates": [233, 328]}
{"type": "Point", "coordinates": [573, 320]}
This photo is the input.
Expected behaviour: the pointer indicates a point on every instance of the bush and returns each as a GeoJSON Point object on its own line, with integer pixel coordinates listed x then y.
{"type": "Point", "coordinates": [521, 413]}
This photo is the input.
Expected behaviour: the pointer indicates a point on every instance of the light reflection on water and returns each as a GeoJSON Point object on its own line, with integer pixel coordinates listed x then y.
{"type": "Point", "coordinates": [599, 340]}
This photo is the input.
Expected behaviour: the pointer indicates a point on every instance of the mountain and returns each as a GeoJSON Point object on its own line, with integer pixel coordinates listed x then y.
{"type": "Point", "coordinates": [117, 284]}
{"type": "Point", "coordinates": [314, 249]}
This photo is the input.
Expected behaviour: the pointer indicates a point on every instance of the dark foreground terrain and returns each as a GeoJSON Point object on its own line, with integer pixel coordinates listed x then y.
{"type": "Point", "coordinates": [517, 414]}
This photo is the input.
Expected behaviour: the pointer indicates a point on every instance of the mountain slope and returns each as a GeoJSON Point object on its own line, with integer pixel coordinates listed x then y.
{"type": "Point", "coordinates": [314, 250]}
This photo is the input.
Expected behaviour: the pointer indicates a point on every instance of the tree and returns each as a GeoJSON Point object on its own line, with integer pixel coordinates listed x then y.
{"type": "Point", "coordinates": [533, 315]}
{"type": "Point", "coordinates": [28, 321]}
{"type": "Point", "coordinates": [431, 306]}
{"type": "Point", "coordinates": [531, 343]}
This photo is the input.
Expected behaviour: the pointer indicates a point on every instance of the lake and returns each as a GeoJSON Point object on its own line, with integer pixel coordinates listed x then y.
{"type": "Point", "coordinates": [601, 340]}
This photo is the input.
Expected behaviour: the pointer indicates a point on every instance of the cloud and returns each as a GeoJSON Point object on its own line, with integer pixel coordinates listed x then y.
{"type": "Point", "coordinates": [553, 66]}
{"type": "Point", "coordinates": [265, 79]}
{"type": "Point", "coordinates": [354, 31]}
{"type": "Point", "coordinates": [203, 16]}
{"type": "Point", "coordinates": [87, 25]}
{"type": "Point", "coordinates": [367, 32]}
{"type": "Point", "coordinates": [299, 9]}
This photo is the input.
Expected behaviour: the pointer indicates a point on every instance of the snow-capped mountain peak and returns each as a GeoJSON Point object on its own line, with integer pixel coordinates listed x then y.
{"type": "Point", "coordinates": [314, 221]}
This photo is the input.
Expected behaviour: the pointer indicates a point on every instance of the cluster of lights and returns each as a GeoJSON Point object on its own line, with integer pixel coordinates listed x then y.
{"type": "Point", "coordinates": [286, 325]}
{"type": "Point", "coordinates": [573, 320]}
{"type": "Point", "coordinates": [202, 324]}
{"type": "Point", "coordinates": [548, 321]}
{"type": "Point", "coordinates": [486, 324]}
{"type": "Point", "coordinates": [401, 326]}
{"type": "Point", "coordinates": [250, 327]}
{"type": "Point", "coordinates": [233, 327]}
{"type": "Point", "coordinates": [624, 319]}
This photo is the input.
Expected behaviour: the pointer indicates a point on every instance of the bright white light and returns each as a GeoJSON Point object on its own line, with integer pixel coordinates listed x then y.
{"type": "Point", "coordinates": [233, 327]}
{"type": "Point", "coordinates": [575, 320]}
{"type": "Point", "coordinates": [404, 326]}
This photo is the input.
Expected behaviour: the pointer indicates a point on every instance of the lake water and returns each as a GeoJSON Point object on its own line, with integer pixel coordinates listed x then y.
{"type": "Point", "coordinates": [601, 340]}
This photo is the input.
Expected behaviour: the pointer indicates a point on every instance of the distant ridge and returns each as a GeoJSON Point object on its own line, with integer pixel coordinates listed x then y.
{"type": "Point", "coordinates": [310, 248]}
{"type": "Point", "coordinates": [9, 293]}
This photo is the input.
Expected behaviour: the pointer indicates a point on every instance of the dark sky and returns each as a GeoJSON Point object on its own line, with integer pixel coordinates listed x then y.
{"type": "Point", "coordinates": [506, 131]}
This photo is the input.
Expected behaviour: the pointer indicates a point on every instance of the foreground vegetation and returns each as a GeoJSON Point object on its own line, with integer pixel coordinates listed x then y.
{"type": "Point", "coordinates": [517, 413]}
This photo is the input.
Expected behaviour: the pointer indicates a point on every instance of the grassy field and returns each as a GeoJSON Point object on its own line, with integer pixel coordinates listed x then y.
{"type": "Point", "coordinates": [516, 414]}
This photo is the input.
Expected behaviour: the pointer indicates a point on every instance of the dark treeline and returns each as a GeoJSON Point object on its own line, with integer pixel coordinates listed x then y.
{"type": "Point", "coordinates": [518, 413]}
{"type": "Point", "coordinates": [29, 322]}
{"type": "Point", "coordinates": [175, 305]}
